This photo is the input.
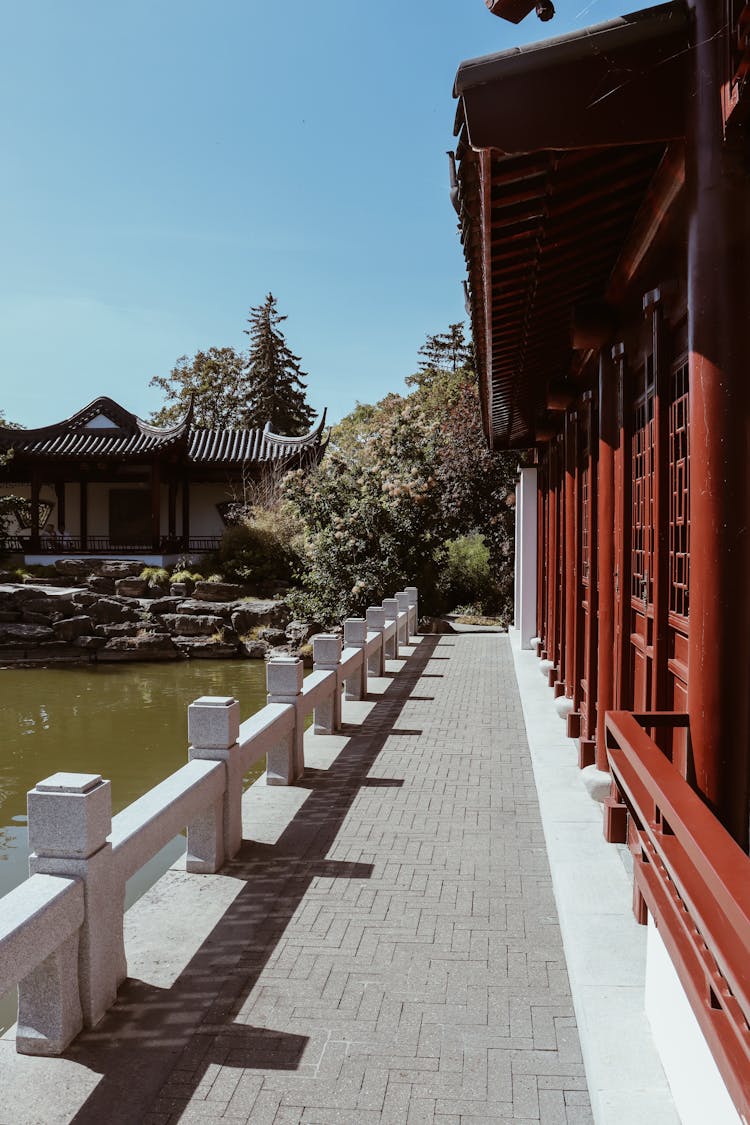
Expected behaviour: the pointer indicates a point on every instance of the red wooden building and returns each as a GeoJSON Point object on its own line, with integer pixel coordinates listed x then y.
{"type": "Point", "coordinates": [105, 482]}
{"type": "Point", "coordinates": [601, 181]}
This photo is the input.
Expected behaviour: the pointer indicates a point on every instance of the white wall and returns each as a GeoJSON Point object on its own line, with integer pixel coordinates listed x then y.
{"type": "Point", "coordinates": [697, 1087]}
{"type": "Point", "coordinates": [204, 519]}
{"type": "Point", "coordinates": [526, 556]}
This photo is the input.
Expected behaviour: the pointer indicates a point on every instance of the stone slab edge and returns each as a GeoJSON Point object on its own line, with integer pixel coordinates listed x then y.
{"type": "Point", "coordinates": [604, 948]}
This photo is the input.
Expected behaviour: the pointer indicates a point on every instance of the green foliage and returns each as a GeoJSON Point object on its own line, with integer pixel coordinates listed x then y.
{"type": "Point", "coordinates": [261, 549]}
{"type": "Point", "coordinates": [183, 575]}
{"type": "Point", "coordinates": [241, 389]}
{"type": "Point", "coordinates": [214, 381]}
{"type": "Point", "coordinates": [401, 481]}
{"type": "Point", "coordinates": [8, 504]}
{"type": "Point", "coordinates": [41, 570]}
{"type": "Point", "coordinates": [467, 579]}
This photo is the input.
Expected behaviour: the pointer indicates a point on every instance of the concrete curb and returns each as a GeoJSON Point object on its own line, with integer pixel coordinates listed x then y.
{"type": "Point", "coordinates": [604, 947]}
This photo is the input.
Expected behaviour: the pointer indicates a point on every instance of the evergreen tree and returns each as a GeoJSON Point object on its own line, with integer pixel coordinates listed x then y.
{"type": "Point", "coordinates": [274, 376]}
{"type": "Point", "coordinates": [240, 389]}
{"type": "Point", "coordinates": [444, 354]}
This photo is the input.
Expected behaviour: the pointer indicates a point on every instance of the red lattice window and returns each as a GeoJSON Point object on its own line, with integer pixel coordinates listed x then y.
{"type": "Point", "coordinates": [585, 486]}
{"type": "Point", "coordinates": [679, 493]}
{"type": "Point", "coordinates": [642, 512]}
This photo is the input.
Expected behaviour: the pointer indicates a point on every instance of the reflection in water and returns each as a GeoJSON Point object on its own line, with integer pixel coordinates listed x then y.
{"type": "Point", "coordinates": [125, 722]}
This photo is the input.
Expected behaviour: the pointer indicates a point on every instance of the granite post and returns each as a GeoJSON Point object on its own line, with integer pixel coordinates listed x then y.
{"type": "Point", "coordinates": [375, 618]}
{"type": "Point", "coordinates": [213, 731]}
{"type": "Point", "coordinates": [355, 636]}
{"type": "Point", "coordinates": [326, 658]}
{"type": "Point", "coordinates": [402, 602]}
{"type": "Point", "coordinates": [286, 762]}
{"type": "Point", "coordinates": [413, 593]}
{"type": "Point", "coordinates": [390, 609]}
{"type": "Point", "coordinates": [70, 817]}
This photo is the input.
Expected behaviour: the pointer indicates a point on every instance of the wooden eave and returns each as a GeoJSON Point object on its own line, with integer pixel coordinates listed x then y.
{"type": "Point", "coordinates": [613, 83]}
{"type": "Point", "coordinates": [543, 227]}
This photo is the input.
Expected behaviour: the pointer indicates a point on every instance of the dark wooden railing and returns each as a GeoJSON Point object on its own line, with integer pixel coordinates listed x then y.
{"type": "Point", "coordinates": [103, 545]}
{"type": "Point", "coordinates": [695, 881]}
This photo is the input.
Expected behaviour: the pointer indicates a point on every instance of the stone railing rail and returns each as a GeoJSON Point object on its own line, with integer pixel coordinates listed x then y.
{"type": "Point", "coordinates": [61, 931]}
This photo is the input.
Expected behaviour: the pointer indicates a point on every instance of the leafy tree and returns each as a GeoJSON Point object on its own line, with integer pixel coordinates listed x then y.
{"type": "Point", "coordinates": [6, 425]}
{"type": "Point", "coordinates": [9, 504]}
{"type": "Point", "coordinates": [238, 388]}
{"type": "Point", "coordinates": [275, 378]}
{"type": "Point", "coordinates": [214, 380]}
{"type": "Point", "coordinates": [403, 481]}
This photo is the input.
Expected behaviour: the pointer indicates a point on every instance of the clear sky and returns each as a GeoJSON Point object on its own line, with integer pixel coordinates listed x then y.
{"type": "Point", "coordinates": [166, 163]}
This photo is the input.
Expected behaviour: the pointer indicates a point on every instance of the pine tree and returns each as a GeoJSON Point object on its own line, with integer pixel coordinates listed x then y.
{"type": "Point", "coordinates": [444, 353]}
{"type": "Point", "coordinates": [237, 388]}
{"type": "Point", "coordinates": [274, 376]}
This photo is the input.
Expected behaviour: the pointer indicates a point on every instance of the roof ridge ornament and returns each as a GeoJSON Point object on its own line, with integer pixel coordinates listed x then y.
{"type": "Point", "coordinates": [303, 439]}
{"type": "Point", "coordinates": [516, 10]}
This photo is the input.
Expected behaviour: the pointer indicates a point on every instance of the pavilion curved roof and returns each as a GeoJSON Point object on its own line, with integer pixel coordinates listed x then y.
{"type": "Point", "coordinates": [104, 429]}
{"type": "Point", "coordinates": [224, 445]}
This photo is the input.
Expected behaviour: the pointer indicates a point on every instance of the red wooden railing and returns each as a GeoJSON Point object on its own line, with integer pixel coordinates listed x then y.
{"type": "Point", "coordinates": [695, 881]}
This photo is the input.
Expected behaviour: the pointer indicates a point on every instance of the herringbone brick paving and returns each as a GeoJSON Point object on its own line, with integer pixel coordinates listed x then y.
{"type": "Point", "coordinates": [396, 955]}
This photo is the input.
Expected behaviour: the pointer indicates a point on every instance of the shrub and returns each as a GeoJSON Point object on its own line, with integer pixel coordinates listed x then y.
{"type": "Point", "coordinates": [155, 574]}
{"type": "Point", "coordinates": [42, 570]}
{"type": "Point", "coordinates": [186, 576]}
{"type": "Point", "coordinates": [261, 549]}
{"type": "Point", "coordinates": [467, 579]}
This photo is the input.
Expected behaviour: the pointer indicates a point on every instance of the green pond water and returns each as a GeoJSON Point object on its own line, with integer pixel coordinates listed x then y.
{"type": "Point", "coordinates": [126, 722]}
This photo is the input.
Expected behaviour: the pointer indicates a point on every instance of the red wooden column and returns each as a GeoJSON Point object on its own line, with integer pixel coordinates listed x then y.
{"type": "Point", "coordinates": [653, 301]}
{"type": "Point", "coordinates": [559, 558]}
{"type": "Point", "coordinates": [567, 663]}
{"type": "Point", "coordinates": [587, 643]}
{"type": "Point", "coordinates": [615, 812]}
{"type": "Point", "coordinates": [719, 314]}
{"type": "Point", "coordinates": [541, 512]}
{"type": "Point", "coordinates": [552, 558]}
{"type": "Point", "coordinates": [605, 552]}
{"type": "Point", "coordinates": [623, 516]}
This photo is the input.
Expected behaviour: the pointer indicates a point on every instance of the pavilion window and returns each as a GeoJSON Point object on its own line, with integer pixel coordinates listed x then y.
{"type": "Point", "coordinates": [584, 438]}
{"type": "Point", "coordinates": [679, 493]}
{"type": "Point", "coordinates": [642, 495]}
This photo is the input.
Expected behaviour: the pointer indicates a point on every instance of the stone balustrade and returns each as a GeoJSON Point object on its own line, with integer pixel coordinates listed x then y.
{"type": "Point", "coordinates": [61, 931]}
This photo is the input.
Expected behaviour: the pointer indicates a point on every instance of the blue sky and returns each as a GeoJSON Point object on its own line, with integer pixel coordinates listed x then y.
{"type": "Point", "coordinates": [166, 164]}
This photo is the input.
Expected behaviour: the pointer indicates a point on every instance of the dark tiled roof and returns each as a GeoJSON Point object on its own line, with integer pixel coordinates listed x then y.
{"type": "Point", "coordinates": [87, 435]}
{"type": "Point", "coordinates": [238, 446]}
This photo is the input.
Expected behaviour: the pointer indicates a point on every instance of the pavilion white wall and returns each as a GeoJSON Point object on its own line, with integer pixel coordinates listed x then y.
{"type": "Point", "coordinates": [526, 556]}
{"type": "Point", "coordinates": [204, 518]}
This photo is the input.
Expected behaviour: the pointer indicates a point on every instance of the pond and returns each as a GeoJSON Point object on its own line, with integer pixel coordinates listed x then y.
{"type": "Point", "coordinates": [127, 722]}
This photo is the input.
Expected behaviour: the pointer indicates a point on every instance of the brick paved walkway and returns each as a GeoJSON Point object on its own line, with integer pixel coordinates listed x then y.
{"type": "Point", "coordinates": [394, 956]}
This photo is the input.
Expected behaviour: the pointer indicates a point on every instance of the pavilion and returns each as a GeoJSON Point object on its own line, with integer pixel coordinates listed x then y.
{"type": "Point", "coordinates": [601, 183]}
{"type": "Point", "coordinates": [104, 482]}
